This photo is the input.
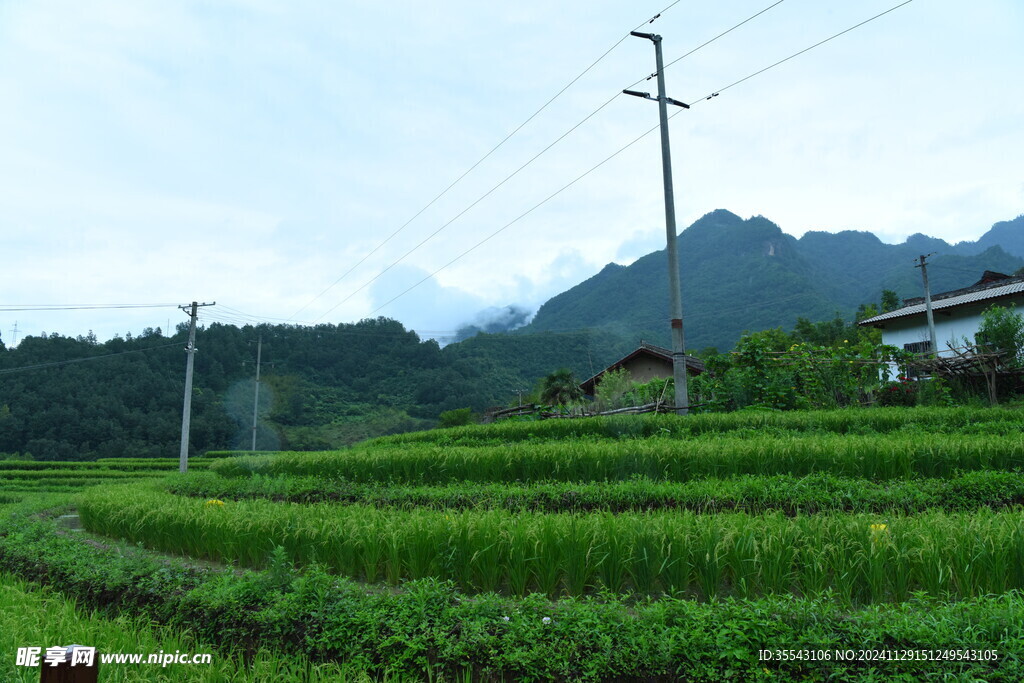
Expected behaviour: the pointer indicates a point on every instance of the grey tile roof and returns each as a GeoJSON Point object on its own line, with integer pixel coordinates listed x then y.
{"type": "Point", "coordinates": [949, 302]}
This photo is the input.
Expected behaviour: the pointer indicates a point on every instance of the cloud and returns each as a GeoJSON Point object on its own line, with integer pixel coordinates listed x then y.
{"type": "Point", "coordinates": [495, 319]}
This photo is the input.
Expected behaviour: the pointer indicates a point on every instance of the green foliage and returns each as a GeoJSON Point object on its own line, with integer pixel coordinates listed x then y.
{"type": "Point", "coordinates": [560, 388]}
{"type": "Point", "coordinates": [611, 391]}
{"type": "Point", "coordinates": [40, 617]}
{"type": "Point", "coordinates": [902, 392]}
{"type": "Point", "coordinates": [890, 301]}
{"type": "Point", "coordinates": [1002, 329]}
{"type": "Point", "coordinates": [459, 417]}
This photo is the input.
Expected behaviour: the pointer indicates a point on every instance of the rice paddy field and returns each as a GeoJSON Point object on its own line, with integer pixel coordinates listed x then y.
{"type": "Point", "coordinates": [874, 544]}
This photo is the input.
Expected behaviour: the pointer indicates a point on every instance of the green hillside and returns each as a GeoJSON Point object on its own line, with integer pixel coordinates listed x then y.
{"type": "Point", "coordinates": [740, 275]}
{"type": "Point", "coordinates": [326, 386]}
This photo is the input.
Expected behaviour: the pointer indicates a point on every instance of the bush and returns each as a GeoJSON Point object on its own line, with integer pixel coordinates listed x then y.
{"type": "Point", "coordinates": [902, 392]}
{"type": "Point", "coordinates": [459, 417]}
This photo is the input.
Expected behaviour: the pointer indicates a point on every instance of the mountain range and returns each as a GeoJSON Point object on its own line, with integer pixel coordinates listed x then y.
{"type": "Point", "coordinates": [744, 275]}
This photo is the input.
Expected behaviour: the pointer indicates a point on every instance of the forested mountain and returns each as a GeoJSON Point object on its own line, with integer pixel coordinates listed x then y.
{"type": "Point", "coordinates": [740, 275]}
{"type": "Point", "coordinates": [67, 398]}
{"type": "Point", "coordinates": [325, 386]}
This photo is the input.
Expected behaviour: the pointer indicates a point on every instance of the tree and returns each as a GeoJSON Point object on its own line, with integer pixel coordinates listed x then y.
{"type": "Point", "coordinates": [560, 388]}
{"type": "Point", "coordinates": [890, 300]}
{"type": "Point", "coordinates": [1002, 329]}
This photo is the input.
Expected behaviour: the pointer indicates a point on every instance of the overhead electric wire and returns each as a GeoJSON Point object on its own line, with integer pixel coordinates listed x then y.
{"type": "Point", "coordinates": [720, 35]}
{"type": "Point", "coordinates": [522, 167]}
{"type": "Point", "coordinates": [523, 215]}
{"type": "Point", "coordinates": [77, 307]}
{"type": "Point", "coordinates": [54, 364]}
{"type": "Point", "coordinates": [622, 149]}
{"type": "Point", "coordinates": [484, 158]}
{"type": "Point", "coordinates": [797, 54]}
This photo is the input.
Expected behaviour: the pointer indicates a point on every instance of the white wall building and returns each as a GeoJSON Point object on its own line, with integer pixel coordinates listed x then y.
{"type": "Point", "coordinates": [957, 314]}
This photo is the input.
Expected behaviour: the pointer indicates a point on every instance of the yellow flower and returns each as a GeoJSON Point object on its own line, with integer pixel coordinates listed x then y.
{"type": "Point", "coordinates": [878, 527]}
{"type": "Point", "coordinates": [214, 502]}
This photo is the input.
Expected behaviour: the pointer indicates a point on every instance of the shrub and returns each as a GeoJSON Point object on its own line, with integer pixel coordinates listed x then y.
{"type": "Point", "coordinates": [459, 417]}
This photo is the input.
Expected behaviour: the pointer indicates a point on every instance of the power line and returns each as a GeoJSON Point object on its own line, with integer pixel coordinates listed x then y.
{"type": "Point", "coordinates": [720, 35]}
{"type": "Point", "coordinates": [78, 307]}
{"type": "Point", "coordinates": [528, 163]}
{"type": "Point", "coordinates": [481, 160]}
{"type": "Point", "coordinates": [708, 97]}
{"type": "Point", "coordinates": [523, 215]}
{"type": "Point", "coordinates": [715, 93]}
{"type": "Point", "coordinates": [83, 360]}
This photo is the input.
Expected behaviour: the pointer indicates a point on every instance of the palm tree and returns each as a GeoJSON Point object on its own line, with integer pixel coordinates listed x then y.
{"type": "Point", "coordinates": [560, 387]}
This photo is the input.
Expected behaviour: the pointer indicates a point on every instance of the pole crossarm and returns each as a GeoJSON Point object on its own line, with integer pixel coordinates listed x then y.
{"type": "Point", "coordinates": [647, 96]}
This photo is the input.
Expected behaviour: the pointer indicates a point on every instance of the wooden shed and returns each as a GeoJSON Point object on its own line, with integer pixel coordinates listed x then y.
{"type": "Point", "coordinates": [647, 362]}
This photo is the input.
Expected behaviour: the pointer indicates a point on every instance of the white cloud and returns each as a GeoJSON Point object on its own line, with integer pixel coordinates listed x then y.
{"type": "Point", "coordinates": [254, 152]}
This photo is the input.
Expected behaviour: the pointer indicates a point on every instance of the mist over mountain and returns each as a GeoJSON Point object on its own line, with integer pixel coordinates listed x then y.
{"type": "Point", "coordinates": [495, 319]}
{"type": "Point", "coordinates": [744, 275]}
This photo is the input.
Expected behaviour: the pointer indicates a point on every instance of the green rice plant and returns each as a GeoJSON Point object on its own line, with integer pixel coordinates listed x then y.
{"type": "Point", "coordinates": [813, 568]}
{"type": "Point", "coordinates": [709, 559]}
{"type": "Point", "coordinates": [517, 540]}
{"type": "Point", "coordinates": [854, 555]}
{"type": "Point", "coordinates": [872, 457]}
{"type": "Point", "coordinates": [646, 557]}
{"type": "Point", "coordinates": [741, 558]}
{"type": "Point", "coordinates": [612, 556]}
{"type": "Point", "coordinates": [580, 553]}
{"type": "Point", "coordinates": [996, 421]}
{"type": "Point", "coordinates": [791, 494]}
{"type": "Point", "coordinates": [546, 559]}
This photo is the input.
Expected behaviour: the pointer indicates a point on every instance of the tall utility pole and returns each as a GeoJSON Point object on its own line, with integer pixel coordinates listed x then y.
{"type": "Point", "coordinates": [923, 265]}
{"type": "Point", "coordinates": [190, 351]}
{"type": "Point", "coordinates": [256, 399]}
{"type": "Point", "coordinates": [675, 294]}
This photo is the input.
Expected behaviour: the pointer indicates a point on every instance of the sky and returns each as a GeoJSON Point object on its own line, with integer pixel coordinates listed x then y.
{"type": "Point", "coordinates": [287, 160]}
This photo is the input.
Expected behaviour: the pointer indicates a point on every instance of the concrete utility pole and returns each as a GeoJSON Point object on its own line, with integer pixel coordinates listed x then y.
{"type": "Point", "coordinates": [928, 303]}
{"type": "Point", "coordinates": [675, 294]}
{"type": "Point", "coordinates": [186, 412]}
{"type": "Point", "coordinates": [256, 399]}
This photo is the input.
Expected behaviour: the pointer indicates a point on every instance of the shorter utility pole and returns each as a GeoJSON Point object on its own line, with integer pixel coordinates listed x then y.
{"type": "Point", "coordinates": [15, 331]}
{"type": "Point", "coordinates": [190, 351]}
{"type": "Point", "coordinates": [256, 399]}
{"type": "Point", "coordinates": [682, 403]}
{"type": "Point", "coordinates": [923, 265]}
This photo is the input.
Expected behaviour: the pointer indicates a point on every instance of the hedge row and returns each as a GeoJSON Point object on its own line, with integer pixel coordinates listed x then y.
{"type": "Point", "coordinates": [427, 629]}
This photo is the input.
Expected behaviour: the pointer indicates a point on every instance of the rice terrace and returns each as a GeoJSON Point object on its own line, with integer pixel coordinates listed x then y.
{"type": "Point", "coordinates": [881, 544]}
{"type": "Point", "coordinates": [470, 382]}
